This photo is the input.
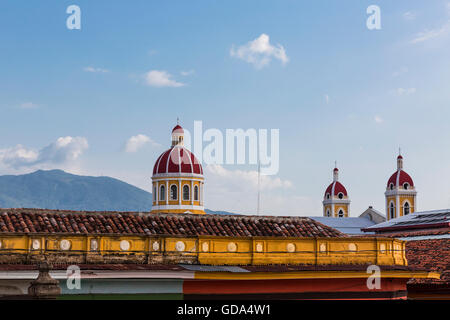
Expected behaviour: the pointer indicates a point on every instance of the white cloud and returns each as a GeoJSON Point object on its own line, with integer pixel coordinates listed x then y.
{"type": "Point", "coordinates": [436, 33]}
{"type": "Point", "coordinates": [28, 105]}
{"type": "Point", "coordinates": [260, 52]}
{"type": "Point", "coordinates": [404, 91]}
{"type": "Point", "coordinates": [136, 142]}
{"type": "Point", "coordinates": [95, 70]}
{"type": "Point", "coordinates": [378, 119]}
{"type": "Point", "coordinates": [236, 191]}
{"type": "Point", "coordinates": [409, 15]}
{"type": "Point", "coordinates": [156, 78]}
{"type": "Point", "coordinates": [187, 73]}
{"type": "Point", "coordinates": [64, 150]}
{"type": "Point", "coordinates": [245, 180]}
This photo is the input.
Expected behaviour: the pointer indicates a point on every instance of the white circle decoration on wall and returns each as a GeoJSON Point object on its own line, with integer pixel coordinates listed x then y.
{"type": "Point", "coordinates": [180, 246]}
{"type": "Point", "coordinates": [290, 247]}
{"type": "Point", "coordinates": [205, 247]}
{"type": "Point", "coordinates": [124, 245]}
{"type": "Point", "coordinates": [323, 247]}
{"type": "Point", "coordinates": [94, 244]}
{"type": "Point", "coordinates": [36, 244]}
{"type": "Point", "coordinates": [259, 247]}
{"type": "Point", "coordinates": [155, 246]}
{"type": "Point", "coordinates": [232, 247]}
{"type": "Point", "coordinates": [64, 245]}
{"type": "Point", "coordinates": [352, 247]}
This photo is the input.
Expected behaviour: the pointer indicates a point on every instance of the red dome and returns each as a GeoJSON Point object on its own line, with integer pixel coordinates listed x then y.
{"type": "Point", "coordinates": [399, 177]}
{"type": "Point", "coordinates": [337, 187]}
{"type": "Point", "coordinates": [178, 129]}
{"type": "Point", "coordinates": [177, 160]}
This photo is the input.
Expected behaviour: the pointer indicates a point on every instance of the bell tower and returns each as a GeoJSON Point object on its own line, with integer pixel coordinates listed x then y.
{"type": "Point", "coordinates": [400, 193]}
{"type": "Point", "coordinates": [336, 202]}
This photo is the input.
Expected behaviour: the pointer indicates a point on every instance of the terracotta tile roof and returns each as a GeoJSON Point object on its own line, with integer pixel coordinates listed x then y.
{"type": "Point", "coordinates": [431, 255]}
{"type": "Point", "coordinates": [78, 222]}
{"type": "Point", "coordinates": [417, 233]}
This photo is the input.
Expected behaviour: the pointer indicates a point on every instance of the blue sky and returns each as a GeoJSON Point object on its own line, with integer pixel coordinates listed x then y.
{"type": "Point", "coordinates": [344, 93]}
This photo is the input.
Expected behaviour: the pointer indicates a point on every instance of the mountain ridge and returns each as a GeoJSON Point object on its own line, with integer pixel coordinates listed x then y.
{"type": "Point", "coordinates": [60, 190]}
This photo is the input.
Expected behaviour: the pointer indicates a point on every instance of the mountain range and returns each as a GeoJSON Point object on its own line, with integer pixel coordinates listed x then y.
{"type": "Point", "coordinates": [57, 189]}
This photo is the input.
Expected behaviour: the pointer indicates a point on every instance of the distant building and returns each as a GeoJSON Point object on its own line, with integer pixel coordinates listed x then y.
{"type": "Point", "coordinates": [432, 224]}
{"type": "Point", "coordinates": [336, 202]}
{"type": "Point", "coordinates": [428, 247]}
{"type": "Point", "coordinates": [373, 215]}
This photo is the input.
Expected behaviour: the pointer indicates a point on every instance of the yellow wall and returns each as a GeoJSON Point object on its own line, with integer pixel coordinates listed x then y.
{"type": "Point", "coordinates": [337, 207]}
{"type": "Point", "coordinates": [402, 198]}
{"type": "Point", "coordinates": [222, 250]}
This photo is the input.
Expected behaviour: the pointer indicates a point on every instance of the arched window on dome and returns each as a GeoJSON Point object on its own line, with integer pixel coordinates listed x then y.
{"type": "Point", "coordinates": [406, 185]}
{"type": "Point", "coordinates": [185, 192]}
{"type": "Point", "coordinates": [328, 196]}
{"type": "Point", "coordinates": [391, 186]}
{"type": "Point", "coordinates": [173, 192]}
{"type": "Point", "coordinates": [391, 211]}
{"type": "Point", "coordinates": [162, 193]}
{"type": "Point", "coordinates": [341, 214]}
{"type": "Point", "coordinates": [340, 195]}
{"type": "Point", "coordinates": [196, 193]}
{"type": "Point", "coordinates": [406, 209]}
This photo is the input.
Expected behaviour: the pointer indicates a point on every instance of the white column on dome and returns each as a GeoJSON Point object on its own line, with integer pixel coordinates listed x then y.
{"type": "Point", "coordinates": [179, 192]}
{"type": "Point", "coordinates": [397, 200]}
{"type": "Point", "coordinates": [167, 192]}
{"type": "Point", "coordinates": [192, 192]}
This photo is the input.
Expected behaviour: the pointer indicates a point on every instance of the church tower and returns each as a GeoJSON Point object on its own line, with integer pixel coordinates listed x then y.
{"type": "Point", "coordinates": [400, 193]}
{"type": "Point", "coordinates": [336, 202]}
{"type": "Point", "coordinates": [178, 182]}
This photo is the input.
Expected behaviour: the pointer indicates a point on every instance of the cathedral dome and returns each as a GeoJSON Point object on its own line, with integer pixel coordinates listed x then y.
{"type": "Point", "coordinates": [177, 159]}
{"type": "Point", "coordinates": [177, 180]}
{"type": "Point", "coordinates": [335, 188]}
{"type": "Point", "coordinates": [178, 129]}
{"type": "Point", "coordinates": [400, 178]}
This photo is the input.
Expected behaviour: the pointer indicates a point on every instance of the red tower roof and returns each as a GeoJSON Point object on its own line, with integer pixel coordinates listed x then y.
{"type": "Point", "coordinates": [337, 187]}
{"type": "Point", "coordinates": [177, 160]}
{"type": "Point", "coordinates": [178, 129]}
{"type": "Point", "coordinates": [399, 177]}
